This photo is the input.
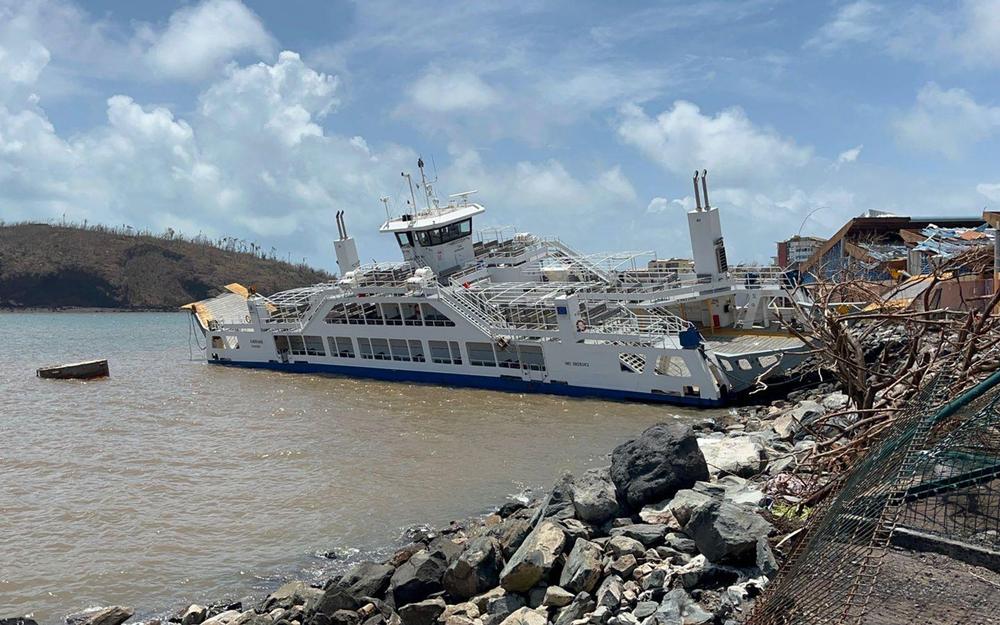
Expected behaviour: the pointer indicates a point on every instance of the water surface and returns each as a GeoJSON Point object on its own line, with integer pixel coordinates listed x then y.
{"type": "Point", "coordinates": [174, 481]}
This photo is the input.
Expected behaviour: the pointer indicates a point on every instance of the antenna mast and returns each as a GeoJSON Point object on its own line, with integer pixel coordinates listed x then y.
{"type": "Point", "coordinates": [413, 196]}
{"type": "Point", "coordinates": [423, 181]}
{"type": "Point", "coordinates": [385, 200]}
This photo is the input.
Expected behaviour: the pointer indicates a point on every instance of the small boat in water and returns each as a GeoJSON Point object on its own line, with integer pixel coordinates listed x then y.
{"type": "Point", "coordinates": [86, 370]}
{"type": "Point", "coordinates": [518, 312]}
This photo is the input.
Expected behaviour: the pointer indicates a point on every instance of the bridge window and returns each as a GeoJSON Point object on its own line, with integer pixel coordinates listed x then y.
{"type": "Point", "coordinates": [405, 239]}
{"type": "Point", "coordinates": [341, 346]}
{"type": "Point", "coordinates": [444, 234]}
{"type": "Point", "coordinates": [481, 354]}
{"type": "Point", "coordinates": [314, 346]}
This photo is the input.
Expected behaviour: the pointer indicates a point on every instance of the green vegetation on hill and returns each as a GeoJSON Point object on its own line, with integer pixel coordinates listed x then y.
{"type": "Point", "coordinates": [45, 266]}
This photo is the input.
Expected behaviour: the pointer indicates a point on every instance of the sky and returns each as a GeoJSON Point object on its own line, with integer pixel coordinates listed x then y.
{"type": "Point", "coordinates": [582, 120]}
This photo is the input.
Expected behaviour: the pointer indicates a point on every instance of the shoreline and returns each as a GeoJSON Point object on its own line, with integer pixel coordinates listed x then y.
{"type": "Point", "coordinates": [742, 442]}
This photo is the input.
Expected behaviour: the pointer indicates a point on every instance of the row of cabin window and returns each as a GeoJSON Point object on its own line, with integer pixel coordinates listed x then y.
{"type": "Point", "coordinates": [437, 236]}
{"type": "Point", "coordinates": [411, 350]}
{"type": "Point", "coordinates": [510, 357]}
{"type": "Point", "coordinates": [359, 313]}
{"type": "Point", "coordinates": [665, 365]}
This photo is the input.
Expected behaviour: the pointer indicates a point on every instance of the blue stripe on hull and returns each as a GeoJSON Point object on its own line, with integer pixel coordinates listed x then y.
{"type": "Point", "coordinates": [473, 381]}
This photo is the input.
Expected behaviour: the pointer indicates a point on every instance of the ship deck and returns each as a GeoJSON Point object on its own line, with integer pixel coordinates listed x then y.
{"type": "Point", "coordinates": [735, 344]}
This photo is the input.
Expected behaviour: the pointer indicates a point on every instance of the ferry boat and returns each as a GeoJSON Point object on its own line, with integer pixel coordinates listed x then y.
{"type": "Point", "coordinates": [513, 311]}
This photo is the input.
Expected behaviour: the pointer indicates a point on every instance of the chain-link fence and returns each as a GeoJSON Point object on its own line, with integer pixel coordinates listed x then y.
{"type": "Point", "coordinates": [932, 483]}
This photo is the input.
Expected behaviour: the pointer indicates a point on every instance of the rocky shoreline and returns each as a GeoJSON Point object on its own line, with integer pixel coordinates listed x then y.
{"type": "Point", "coordinates": [679, 529]}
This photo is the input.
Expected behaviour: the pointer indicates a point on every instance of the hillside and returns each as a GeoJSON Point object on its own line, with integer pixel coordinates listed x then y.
{"type": "Point", "coordinates": [43, 266]}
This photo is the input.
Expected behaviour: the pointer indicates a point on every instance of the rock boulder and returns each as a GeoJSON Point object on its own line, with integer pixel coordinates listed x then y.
{"type": "Point", "coordinates": [737, 455]}
{"type": "Point", "coordinates": [582, 571]}
{"type": "Point", "coordinates": [476, 570]}
{"type": "Point", "coordinates": [727, 533]}
{"type": "Point", "coordinates": [418, 578]}
{"type": "Point", "coordinates": [534, 560]}
{"type": "Point", "coordinates": [594, 497]}
{"type": "Point", "coordinates": [664, 459]}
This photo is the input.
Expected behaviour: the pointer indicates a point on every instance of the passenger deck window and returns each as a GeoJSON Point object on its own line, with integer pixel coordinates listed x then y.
{"type": "Point", "coordinates": [392, 315]}
{"type": "Point", "coordinates": [298, 344]}
{"type": "Point", "coordinates": [341, 346]}
{"type": "Point", "coordinates": [481, 354]}
{"type": "Point", "coordinates": [314, 346]}
{"type": "Point", "coordinates": [281, 344]}
{"type": "Point", "coordinates": [380, 349]}
{"type": "Point", "coordinates": [411, 315]}
{"type": "Point", "coordinates": [507, 357]}
{"type": "Point", "coordinates": [365, 348]}
{"type": "Point", "coordinates": [399, 350]}
{"type": "Point", "coordinates": [434, 317]}
{"type": "Point", "coordinates": [532, 358]}
{"type": "Point", "coordinates": [417, 351]}
{"type": "Point", "coordinates": [337, 314]}
{"type": "Point", "coordinates": [445, 353]}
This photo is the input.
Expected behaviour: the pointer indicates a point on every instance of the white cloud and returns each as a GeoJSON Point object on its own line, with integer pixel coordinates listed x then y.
{"type": "Point", "coordinates": [446, 92]}
{"type": "Point", "coordinates": [682, 139]}
{"type": "Point", "coordinates": [990, 190]}
{"type": "Point", "coordinates": [200, 39]}
{"type": "Point", "coordinates": [946, 121]}
{"type": "Point", "coordinates": [966, 32]}
{"type": "Point", "coordinates": [849, 156]}
{"type": "Point", "coordinates": [852, 23]}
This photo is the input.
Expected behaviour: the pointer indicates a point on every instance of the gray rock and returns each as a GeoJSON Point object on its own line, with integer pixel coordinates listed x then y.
{"type": "Point", "coordinates": [195, 614]}
{"type": "Point", "coordinates": [685, 502]}
{"type": "Point", "coordinates": [335, 598]}
{"type": "Point", "coordinates": [765, 558]}
{"type": "Point", "coordinates": [511, 533]}
{"type": "Point", "coordinates": [680, 542]}
{"type": "Point", "coordinates": [644, 609]}
{"type": "Point", "coordinates": [655, 579]}
{"type": "Point", "coordinates": [623, 566]}
{"type": "Point", "coordinates": [287, 595]}
{"type": "Point", "coordinates": [786, 426]}
{"type": "Point", "coordinates": [582, 571]}
{"type": "Point", "coordinates": [422, 612]}
{"type": "Point", "coordinates": [649, 534]}
{"type": "Point", "coordinates": [344, 617]}
{"type": "Point", "coordinates": [418, 578]}
{"type": "Point", "coordinates": [499, 608]}
{"type": "Point", "coordinates": [574, 529]}
{"type": "Point", "coordinates": [482, 601]}
{"type": "Point", "coordinates": [368, 579]}
{"type": "Point", "coordinates": [113, 615]}
{"type": "Point", "coordinates": [559, 505]}
{"type": "Point", "coordinates": [580, 606]}
{"type": "Point", "coordinates": [223, 618]}
{"type": "Point", "coordinates": [594, 496]}
{"type": "Point", "coordinates": [557, 597]}
{"type": "Point", "coordinates": [476, 570]}
{"type": "Point", "coordinates": [836, 402]}
{"type": "Point", "coordinates": [664, 459]}
{"type": "Point", "coordinates": [659, 514]}
{"type": "Point", "coordinates": [726, 533]}
{"type": "Point", "coordinates": [609, 594]}
{"type": "Point", "coordinates": [525, 616]}
{"type": "Point", "coordinates": [534, 560]}
{"type": "Point", "coordinates": [621, 545]}
{"type": "Point", "coordinates": [738, 455]}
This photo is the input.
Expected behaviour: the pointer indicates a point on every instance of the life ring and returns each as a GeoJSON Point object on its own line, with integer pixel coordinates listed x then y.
{"type": "Point", "coordinates": [248, 318]}
{"type": "Point", "coordinates": [581, 325]}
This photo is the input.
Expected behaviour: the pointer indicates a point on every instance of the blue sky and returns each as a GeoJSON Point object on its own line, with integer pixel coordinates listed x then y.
{"type": "Point", "coordinates": [577, 119]}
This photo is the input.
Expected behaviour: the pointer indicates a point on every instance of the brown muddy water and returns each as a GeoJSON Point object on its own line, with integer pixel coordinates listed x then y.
{"type": "Point", "coordinates": [173, 482]}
